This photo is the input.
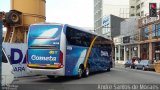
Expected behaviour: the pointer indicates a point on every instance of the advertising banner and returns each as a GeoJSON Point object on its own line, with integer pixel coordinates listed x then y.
{"type": "Point", "coordinates": [16, 53]}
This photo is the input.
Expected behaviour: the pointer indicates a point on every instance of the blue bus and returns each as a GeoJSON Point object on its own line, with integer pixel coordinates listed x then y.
{"type": "Point", "coordinates": [64, 50]}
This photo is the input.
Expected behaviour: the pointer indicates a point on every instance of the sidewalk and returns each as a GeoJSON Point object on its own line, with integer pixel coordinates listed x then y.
{"type": "Point", "coordinates": [119, 65]}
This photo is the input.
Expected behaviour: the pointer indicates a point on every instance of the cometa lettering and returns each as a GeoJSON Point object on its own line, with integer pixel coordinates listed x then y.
{"type": "Point", "coordinates": [50, 58]}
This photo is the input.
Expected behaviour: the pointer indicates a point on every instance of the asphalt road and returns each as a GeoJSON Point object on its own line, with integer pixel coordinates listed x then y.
{"type": "Point", "coordinates": [117, 75]}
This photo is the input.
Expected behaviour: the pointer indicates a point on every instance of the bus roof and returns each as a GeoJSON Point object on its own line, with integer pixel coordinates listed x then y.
{"type": "Point", "coordinates": [79, 28]}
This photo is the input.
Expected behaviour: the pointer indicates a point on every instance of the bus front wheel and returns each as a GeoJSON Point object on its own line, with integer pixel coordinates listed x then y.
{"type": "Point", "coordinates": [109, 69]}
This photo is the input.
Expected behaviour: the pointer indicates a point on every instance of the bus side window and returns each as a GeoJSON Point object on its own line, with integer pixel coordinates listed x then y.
{"type": "Point", "coordinates": [4, 59]}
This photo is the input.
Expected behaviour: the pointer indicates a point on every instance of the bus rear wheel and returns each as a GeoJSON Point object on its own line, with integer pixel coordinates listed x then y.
{"type": "Point", "coordinates": [80, 72]}
{"type": "Point", "coordinates": [109, 69]}
{"type": "Point", "coordinates": [87, 72]}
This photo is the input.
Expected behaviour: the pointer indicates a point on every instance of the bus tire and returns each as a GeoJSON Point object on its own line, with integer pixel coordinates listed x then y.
{"type": "Point", "coordinates": [109, 69]}
{"type": "Point", "coordinates": [87, 71]}
{"type": "Point", "coordinates": [80, 72]}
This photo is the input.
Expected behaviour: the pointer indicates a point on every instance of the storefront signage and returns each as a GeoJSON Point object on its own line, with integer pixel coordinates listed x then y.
{"type": "Point", "coordinates": [105, 21]}
{"type": "Point", "coordinates": [126, 39]}
{"type": "Point", "coordinates": [157, 51]}
{"type": "Point", "coordinates": [147, 20]}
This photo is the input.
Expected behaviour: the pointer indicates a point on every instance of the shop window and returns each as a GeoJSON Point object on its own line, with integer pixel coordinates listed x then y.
{"type": "Point", "coordinates": [144, 34]}
{"type": "Point", "coordinates": [144, 51]}
{"type": "Point", "coordinates": [141, 35]}
{"type": "Point", "coordinates": [154, 31]}
{"type": "Point", "coordinates": [132, 15]}
{"type": "Point", "coordinates": [156, 53]}
{"type": "Point", "coordinates": [158, 30]}
{"type": "Point", "coordinates": [146, 31]}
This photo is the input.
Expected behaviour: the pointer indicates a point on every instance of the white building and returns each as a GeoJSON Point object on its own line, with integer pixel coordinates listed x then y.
{"type": "Point", "coordinates": [103, 8]}
{"type": "Point", "coordinates": [141, 7]}
{"type": "Point", "coordinates": [126, 45]}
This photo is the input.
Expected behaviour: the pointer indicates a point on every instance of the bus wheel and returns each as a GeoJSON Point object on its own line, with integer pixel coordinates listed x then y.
{"type": "Point", "coordinates": [87, 71]}
{"type": "Point", "coordinates": [109, 69]}
{"type": "Point", "coordinates": [80, 72]}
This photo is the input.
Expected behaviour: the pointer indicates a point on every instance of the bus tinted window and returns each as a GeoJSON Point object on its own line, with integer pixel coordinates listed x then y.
{"type": "Point", "coordinates": [4, 59]}
{"type": "Point", "coordinates": [78, 38]}
{"type": "Point", "coordinates": [102, 43]}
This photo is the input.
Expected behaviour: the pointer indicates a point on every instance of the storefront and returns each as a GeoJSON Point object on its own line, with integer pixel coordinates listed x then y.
{"type": "Point", "coordinates": [119, 50]}
{"type": "Point", "coordinates": [130, 48]}
{"type": "Point", "coordinates": [149, 38]}
{"type": "Point", "coordinates": [144, 50]}
{"type": "Point", "coordinates": [131, 51]}
{"type": "Point", "coordinates": [127, 52]}
{"type": "Point", "coordinates": [156, 51]}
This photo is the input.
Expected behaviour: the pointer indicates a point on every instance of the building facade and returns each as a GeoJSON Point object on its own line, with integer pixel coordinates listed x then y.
{"type": "Point", "coordinates": [111, 26]}
{"type": "Point", "coordinates": [105, 7]}
{"type": "Point", "coordinates": [140, 38]}
{"type": "Point", "coordinates": [141, 7]}
{"type": "Point", "coordinates": [128, 47]}
{"type": "Point", "coordinates": [149, 41]}
{"type": "Point", "coordinates": [119, 50]}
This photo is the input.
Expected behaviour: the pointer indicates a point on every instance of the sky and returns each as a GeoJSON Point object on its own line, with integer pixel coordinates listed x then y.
{"type": "Point", "coordinates": [74, 12]}
{"type": "Point", "coordinates": [117, 2]}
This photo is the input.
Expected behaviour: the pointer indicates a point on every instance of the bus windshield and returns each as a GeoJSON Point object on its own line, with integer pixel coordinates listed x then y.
{"type": "Point", "coordinates": [44, 35]}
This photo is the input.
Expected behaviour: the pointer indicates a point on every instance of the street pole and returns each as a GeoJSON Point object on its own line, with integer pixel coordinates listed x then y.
{"type": "Point", "coordinates": [0, 54]}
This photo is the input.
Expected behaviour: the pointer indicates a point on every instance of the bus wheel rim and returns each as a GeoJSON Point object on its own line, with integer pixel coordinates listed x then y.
{"type": "Point", "coordinates": [87, 71]}
{"type": "Point", "coordinates": [80, 72]}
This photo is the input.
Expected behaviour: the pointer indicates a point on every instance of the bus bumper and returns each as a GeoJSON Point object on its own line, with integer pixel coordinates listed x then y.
{"type": "Point", "coordinates": [56, 72]}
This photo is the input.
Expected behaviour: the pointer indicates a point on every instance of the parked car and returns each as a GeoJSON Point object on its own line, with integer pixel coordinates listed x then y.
{"type": "Point", "coordinates": [127, 63]}
{"type": "Point", "coordinates": [145, 65]}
